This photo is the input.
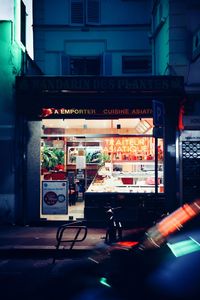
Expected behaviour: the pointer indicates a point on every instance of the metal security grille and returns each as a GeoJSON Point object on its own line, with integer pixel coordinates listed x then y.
{"type": "Point", "coordinates": [191, 149]}
{"type": "Point", "coordinates": [191, 170]}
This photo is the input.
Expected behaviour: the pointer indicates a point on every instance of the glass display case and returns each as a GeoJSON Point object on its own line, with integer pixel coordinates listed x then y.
{"type": "Point", "coordinates": [127, 177]}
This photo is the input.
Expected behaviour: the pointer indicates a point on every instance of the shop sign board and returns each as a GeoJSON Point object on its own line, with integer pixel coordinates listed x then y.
{"type": "Point", "coordinates": [54, 197]}
{"type": "Point", "coordinates": [94, 112]}
{"type": "Point", "coordinates": [107, 83]}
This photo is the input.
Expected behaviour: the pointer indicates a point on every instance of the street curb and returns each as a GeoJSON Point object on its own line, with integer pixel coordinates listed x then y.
{"type": "Point", "coordinates": [46, 251]}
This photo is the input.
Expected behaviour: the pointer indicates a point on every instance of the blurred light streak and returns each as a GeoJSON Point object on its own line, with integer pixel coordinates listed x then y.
{"type": "Point", "coordinates": [128, 243]}
{"type": "Point", "coordinates": [176, 220]}
{"type": "Point", "coordinates": [184, 247]}
{"type": "Point", "coordinates": [157, 234]}
{"type": "Point", "coordinates": [103, 281]}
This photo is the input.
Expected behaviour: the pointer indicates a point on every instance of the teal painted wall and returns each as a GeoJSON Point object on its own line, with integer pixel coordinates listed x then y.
{"type": "Point", "coordinates": [10, 66]}
{"type": "Point", "coordinates": [122, 32]}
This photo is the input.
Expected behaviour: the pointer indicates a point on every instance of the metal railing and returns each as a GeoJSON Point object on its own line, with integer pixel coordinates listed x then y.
{"type": "Point", "coordinates": [62, 239]}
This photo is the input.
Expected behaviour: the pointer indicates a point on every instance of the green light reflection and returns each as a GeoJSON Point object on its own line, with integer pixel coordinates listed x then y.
{"type": "Point", "coordinates": [103, 281]}
{"type": "Point", "coordinates": [184, 247]}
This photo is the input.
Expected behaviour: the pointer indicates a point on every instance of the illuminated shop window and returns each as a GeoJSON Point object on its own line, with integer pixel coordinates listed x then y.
{"type": "Point", "coordinates": [118, 163]}
{"type": "Point", "coordinates": [99, 156]}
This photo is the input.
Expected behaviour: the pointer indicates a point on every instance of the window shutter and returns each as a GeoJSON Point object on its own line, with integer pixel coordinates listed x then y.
{"type": "Point", "coordinates": [77, 12]}
{"type": "Point", "coordinates": [65, 64]}
{"type": "Point", "coordinates": [107, 64]}
{"type": "Point", "coordinates": [93, 11]}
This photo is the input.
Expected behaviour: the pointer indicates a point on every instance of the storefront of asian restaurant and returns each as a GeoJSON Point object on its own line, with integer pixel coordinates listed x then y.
{"type": "Point", "coordinates": [88, 142]}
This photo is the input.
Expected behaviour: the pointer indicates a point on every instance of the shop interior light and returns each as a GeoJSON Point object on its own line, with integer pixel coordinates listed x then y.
{"type": "Point", "coordinates": [120, 126]}
{"type": "Point", "coordinates": [146, 124]}
{"type": "Point", "coordinates": [143, 126]}
{"type": "Point", "coordinates": [184, 247]}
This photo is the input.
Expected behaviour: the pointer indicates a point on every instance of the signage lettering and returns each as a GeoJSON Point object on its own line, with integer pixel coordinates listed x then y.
{"type": "Point", "coordinates": [46, 112]}
{"type": "Point", "coordinates": [72, 111]}
{"type": "Point", "coordinates": [129, 148]}
{"type": "Point", "coordinates": [116, 111]}
{"type": "Point", "coordinates": [45, 83]}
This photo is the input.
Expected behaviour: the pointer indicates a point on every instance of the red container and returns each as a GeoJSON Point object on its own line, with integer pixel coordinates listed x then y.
{"type": "Point", "coordinates": [127, 180]}
{"type": "Point", "coordinates": [59, 176]}
{"type": "Point", "coordinates": [47, 176]}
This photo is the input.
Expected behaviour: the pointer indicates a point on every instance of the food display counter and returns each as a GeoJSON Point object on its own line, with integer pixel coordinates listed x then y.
{"type": "Point", "coordinates": [127, 177]}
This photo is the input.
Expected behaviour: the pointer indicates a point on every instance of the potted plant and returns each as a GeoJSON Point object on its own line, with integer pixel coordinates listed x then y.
{"type": "Point", "coordinates": [52, 157]}
{"type": "Point", "coordinates": [105, 158]}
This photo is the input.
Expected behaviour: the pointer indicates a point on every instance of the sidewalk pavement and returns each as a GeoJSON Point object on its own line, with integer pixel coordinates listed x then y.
{"type": "Point", "coordinates": [30, 240]}
{"type": "Point", "coordinates": [43, 239]}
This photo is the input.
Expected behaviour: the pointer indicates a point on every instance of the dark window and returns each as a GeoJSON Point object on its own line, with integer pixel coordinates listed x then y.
{"type": "Point", "coordinates": [93, 12]}
{"type": "Point", "coordinates": [65, 62]}
{"type": "Point", "coordinates": [85, 12]}
{"type": "Point", "coordinates": [23, 24]}
{"type": "Point", "coordinates": [133, 64]}
{"type": "Point", "coordinates": [85, 65]}
{"type": "Point", "coordinates": [77, 12]}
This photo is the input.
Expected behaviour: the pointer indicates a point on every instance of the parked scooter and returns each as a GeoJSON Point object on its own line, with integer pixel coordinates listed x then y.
{"type": "Point", "coordinates": [114, 225]}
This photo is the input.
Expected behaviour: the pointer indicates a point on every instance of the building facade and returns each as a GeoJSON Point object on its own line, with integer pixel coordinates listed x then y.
{"type": "Point", "coordinates": [98, 127]}
{"type": "Point", "coordinates": [115, 115]}
{"type": "Point", "coordinates": [15, 61]}
{"type": "Point", "coordinates": [86, 38]}
{"type": "Point", "coordinates": [175, 51]}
